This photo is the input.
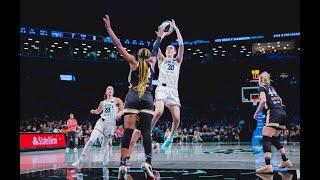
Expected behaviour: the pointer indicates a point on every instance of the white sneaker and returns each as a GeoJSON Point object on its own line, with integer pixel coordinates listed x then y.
{"type": "Point", "coordinates": [67, 150]}
{"type": "Point", "coordinates": [156, 147]}
{"type": "Point", "coordinates": [147, 168]}
{"type": "Point", "coordinates": [78, 163]}
{"type": "Point", "coordinates": [122, 174]}
{"type": "Point", "coordinates": [75, 150]}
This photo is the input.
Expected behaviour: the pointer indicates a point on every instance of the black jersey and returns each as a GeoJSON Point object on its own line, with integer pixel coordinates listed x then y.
{"type": "Point", "coordinates": [273, 99]}
{"type": "Point", "coordinates": [134, 78]}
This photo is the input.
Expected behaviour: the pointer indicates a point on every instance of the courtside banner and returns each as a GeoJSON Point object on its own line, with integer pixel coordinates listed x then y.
{"type": "Point", "coordinates": [42, 140]}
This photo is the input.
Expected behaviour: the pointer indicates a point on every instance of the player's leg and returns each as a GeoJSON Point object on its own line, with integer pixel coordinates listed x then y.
{"type": "Point", "coordinates": [173, 102]}
{"type": "Point", "coordinates": [106, 147]}
{"type": "Point", "coordinates": [161, 94]}
{"type": "Point", "coordinates": [129, 125]}
{"type": "Point", "coordinates": [144, 125]}
{"type": "Point", "coordinates": [95, 134]}
{"type": "Point", "coordinates": [286, 163]}
{"type": "Point", "coordinates": [175, 113]}
{"type": "Point", "coordinates": [268, 132]}
{"type": "Point", "coordinates": [158, 110]}
{"type": "Point", "coordinates": [135, 136]}
{"type": "Point", "coordinates": [131, 114]}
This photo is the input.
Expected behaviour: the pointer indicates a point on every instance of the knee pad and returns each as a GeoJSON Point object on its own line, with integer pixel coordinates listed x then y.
{"type": "Point", "coordinates": [275, 141]}
{"type": "Point", "coordinates": [266, 141]}
{"type": "Point", "coordinates": [125, 141]}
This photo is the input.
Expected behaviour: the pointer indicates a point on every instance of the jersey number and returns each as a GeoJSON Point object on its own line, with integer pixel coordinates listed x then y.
{"type": "Point", "coordinates": [107, 110]}
{"type": "Point", "coordinates": [272, 92]}
{"type": "Point", "coordinates": [170, 67]}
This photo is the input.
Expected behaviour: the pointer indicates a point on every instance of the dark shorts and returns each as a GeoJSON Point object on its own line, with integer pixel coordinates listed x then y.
{"type": "Point", "coordinates": [134, 104]}
{"type": "Point", "coordinates": [276, 118]}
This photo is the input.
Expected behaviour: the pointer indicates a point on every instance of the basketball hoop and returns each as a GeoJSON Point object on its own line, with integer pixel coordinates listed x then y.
{"type": "Point", "coordinates": [254, 101]}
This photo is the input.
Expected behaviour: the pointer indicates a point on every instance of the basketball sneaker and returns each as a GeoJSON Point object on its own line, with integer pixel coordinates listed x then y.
{"type": "Point", "coordinates": [265, 169]}
{"type": "Point", "coordinates": [147, 169]}
{"type": "Point", "coordinates": [78, 163]}
{"type": "Point", "coordinates": [285, 164]}
{"type": "Point", "coordinates": [166, 145]}
{"type": "Point", "coordinates": [123, 172]}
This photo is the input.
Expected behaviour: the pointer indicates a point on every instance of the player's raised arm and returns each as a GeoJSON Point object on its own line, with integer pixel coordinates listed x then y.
{"type": "Point", "coordinates": [126, 56]}
{"type": "Point", "coordinates": [156, 46]}
{"type": "Point", "coordinates": [180, 42]}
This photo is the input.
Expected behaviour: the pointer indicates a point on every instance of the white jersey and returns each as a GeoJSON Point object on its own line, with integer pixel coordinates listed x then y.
{"type": "Point", "coordinates": [109, 110]}
{"type": "Point", "coordinates": [169, 71]}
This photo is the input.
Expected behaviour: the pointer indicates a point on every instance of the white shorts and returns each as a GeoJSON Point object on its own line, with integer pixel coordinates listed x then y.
{"type": "Point", "coordinates": [103, 128]}
{"type": "Point", "coordinates": [168, 94]}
